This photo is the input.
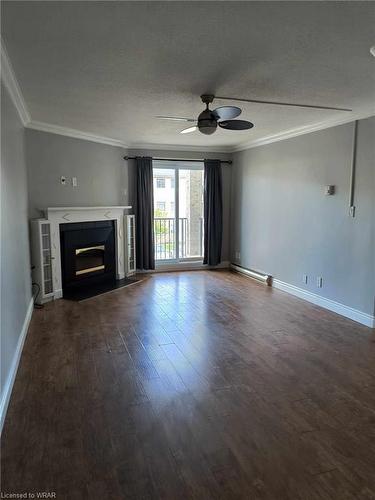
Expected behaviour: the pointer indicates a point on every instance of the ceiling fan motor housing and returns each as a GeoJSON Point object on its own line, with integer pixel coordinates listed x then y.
{"type": "Point", "coordinates": [207, 122]}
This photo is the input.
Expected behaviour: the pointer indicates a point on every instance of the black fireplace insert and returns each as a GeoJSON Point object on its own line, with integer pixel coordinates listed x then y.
{"type": "Point", "coordinates": [88, 254]}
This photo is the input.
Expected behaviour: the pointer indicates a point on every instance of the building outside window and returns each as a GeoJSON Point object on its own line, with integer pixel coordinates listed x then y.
{"type": "Point", "coordinates": [160, 182]}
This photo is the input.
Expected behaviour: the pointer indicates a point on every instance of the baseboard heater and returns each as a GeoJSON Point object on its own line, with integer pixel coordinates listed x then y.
{"type": "Point", "coordinates": [264, 278]}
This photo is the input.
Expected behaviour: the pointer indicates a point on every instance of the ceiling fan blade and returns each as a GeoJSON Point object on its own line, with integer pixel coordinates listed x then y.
{"type": "Point", "coordinates": [283, 104]}
{"type": "Point", "coordinates": [188, 130]}
{"type": "Point", "coordinates": [236, 124]}
{"type": "Point", "coordinates": [176, 118]}
{"type": "Point", "coordinates": [227, 112]}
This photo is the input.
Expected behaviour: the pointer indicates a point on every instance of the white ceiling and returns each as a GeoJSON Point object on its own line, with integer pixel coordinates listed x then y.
{"type": "Point", "coordinates": [108, 68]}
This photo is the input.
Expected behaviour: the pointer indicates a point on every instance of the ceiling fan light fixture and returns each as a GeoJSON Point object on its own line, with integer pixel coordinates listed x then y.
{"type": "Point", "coordinates": [207, 122]}
{"type": "Point", "coordinates": [223, 116]}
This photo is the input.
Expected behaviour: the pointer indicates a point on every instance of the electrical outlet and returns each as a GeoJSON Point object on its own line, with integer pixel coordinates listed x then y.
{"type": "Point", "coordinates": [304, 279]}
{"type": "Point", "coordinates": [63, 180]}
{"type": "Point", "coordinates": [319, 282]}
{"type": "Point", "coordinates": [238, 255]}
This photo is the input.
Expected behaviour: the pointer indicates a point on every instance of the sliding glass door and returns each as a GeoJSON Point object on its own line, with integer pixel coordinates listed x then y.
{"type": "Point", "coordinates": [165, 227]}
{"type": "Point", "coordinates": [178, 211]}
{"type": "Point", "coordinates": [190, 204]}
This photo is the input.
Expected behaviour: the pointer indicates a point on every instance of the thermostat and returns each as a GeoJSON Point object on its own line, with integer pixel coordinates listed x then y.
{"type": "Point", "coordinates": [329, 190]}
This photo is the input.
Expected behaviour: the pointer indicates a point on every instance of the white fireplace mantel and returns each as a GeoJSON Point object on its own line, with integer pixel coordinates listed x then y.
{"type": "Point", "coordinates": [59, 209]}
{"type": "Point", "coordinates": [65, 215]}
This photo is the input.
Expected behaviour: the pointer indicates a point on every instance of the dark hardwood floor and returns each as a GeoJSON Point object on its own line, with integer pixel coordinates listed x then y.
{"type": "Point", "coordinates": [195, 385]}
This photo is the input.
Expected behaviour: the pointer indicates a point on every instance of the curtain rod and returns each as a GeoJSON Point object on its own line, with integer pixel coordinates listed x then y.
{"type": "Point", "coordinates": [177, 159]}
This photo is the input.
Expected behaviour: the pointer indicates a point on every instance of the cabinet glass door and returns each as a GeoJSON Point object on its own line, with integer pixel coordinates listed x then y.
{"type": "Point", "coordinates": [46, 258]}
{"type": "Point", "coordinates": [131, 243]}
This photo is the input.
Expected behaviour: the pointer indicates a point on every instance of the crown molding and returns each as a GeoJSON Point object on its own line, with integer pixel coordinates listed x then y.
{"type": "Point", "coordinates": [10, 81]}
{"type": "Point", "coordinates": [76, 134]}
{"type": "Point", "coordinates": [306, 129]}
{"type": "Point", "coordinates": [180, 147]}
{"type": "Point", "coordinates": [87, 136]}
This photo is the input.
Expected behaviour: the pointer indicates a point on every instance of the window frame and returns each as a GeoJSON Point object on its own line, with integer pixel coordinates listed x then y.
{"type": "Point", "coordinates": [176, 166]}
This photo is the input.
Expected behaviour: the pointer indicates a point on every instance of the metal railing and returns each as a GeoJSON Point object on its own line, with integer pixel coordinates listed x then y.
{"type": "Point", "coordinates": [165, 238]}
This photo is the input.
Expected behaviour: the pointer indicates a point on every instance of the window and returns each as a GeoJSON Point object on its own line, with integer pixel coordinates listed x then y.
{"type": "Point", "coordinates": [178, 211]}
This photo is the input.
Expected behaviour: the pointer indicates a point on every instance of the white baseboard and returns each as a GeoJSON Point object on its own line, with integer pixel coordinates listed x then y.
{"type": "Point", "coordinates": [184, 266]}
{"type": "Point", "coordinates": [8, 386]}
{"type": "Point", "coordinates": [331, 305]}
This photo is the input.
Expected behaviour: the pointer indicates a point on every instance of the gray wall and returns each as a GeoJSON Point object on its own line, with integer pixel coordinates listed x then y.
{"type": "Point", "coordinates": [283, 224]}
{"type": "Point", "coordinates": [101, 173]}
{"type": "Point", "coordinates": [104, 178]}
{"type": "Point", "coordinates": [14, 251]}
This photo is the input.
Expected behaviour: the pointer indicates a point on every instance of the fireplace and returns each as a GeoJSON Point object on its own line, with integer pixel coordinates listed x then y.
{"type": "Point", "coordinates": [88, 255]}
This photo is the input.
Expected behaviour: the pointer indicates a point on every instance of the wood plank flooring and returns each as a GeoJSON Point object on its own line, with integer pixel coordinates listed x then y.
{"type": "Point", "coordinates": [194, 385]}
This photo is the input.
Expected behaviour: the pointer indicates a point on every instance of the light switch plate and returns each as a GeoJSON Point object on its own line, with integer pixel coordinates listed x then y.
{"type": "Point", "coordinates": [74, 182]}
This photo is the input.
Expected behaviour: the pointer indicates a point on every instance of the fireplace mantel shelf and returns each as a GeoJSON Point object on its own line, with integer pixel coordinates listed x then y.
{"type": "Point", "coordinates": [59, 209]}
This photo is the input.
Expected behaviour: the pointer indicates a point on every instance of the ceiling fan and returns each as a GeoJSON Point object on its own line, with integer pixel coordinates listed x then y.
{"type": "Point", "coordinates": [223, 116]}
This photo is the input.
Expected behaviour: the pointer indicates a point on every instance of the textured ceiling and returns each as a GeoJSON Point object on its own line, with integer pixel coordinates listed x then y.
{"type": "Point", "coordinates": [108, 68]}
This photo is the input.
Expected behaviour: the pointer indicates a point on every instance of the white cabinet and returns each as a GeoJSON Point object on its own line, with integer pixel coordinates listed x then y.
{"type": "Point", "coordinates": [130, 245]}
{"type": "Point", "coordinates": [41, 258]}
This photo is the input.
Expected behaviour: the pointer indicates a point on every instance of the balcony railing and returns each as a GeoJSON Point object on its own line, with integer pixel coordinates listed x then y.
{"type": "Point", "coordinates": [165, 238]}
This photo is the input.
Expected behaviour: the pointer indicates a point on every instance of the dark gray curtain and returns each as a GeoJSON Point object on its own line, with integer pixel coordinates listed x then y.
{"type": "Point", "coordinates": [145, 214]}
{"type": "Point", "coordinates": [213, 212]}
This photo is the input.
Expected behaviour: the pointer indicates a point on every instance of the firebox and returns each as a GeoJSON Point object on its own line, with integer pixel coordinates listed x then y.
{"type": "Point", "coordinates": [88, 254]}
{"type": "Point", "coordinates": [89, 259]}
